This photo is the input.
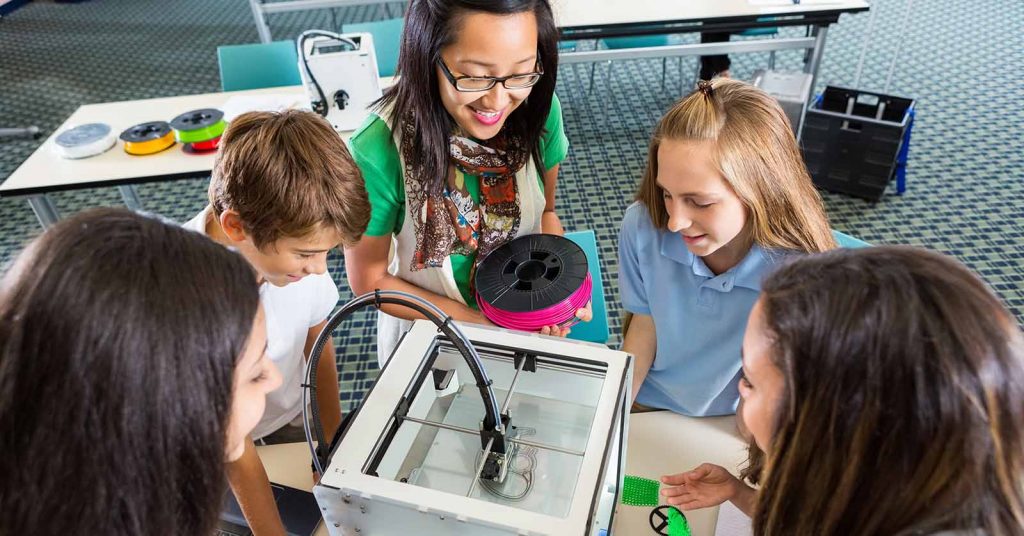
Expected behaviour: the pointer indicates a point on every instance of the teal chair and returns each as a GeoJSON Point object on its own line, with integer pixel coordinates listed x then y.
{"type": "Point", "coordinates": [763, 32]}
{"type": "Point", "coordinates": [387, 39]}
{"type": "Point", "coordinates": [259, 65]}
{"type": "Point", "coordinates": [597, 329]}
{"type": "Point", "coordinates": [642, 41]}
{"type": "Point", "coordinates": [847, 241]}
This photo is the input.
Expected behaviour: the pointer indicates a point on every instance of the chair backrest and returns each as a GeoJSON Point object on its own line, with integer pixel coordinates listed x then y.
{"type": "Point", "coordinates": [258, 65]}
{"type": "Point", "coordinates": [770, 30]}
{"type": "Point", "coordinates": [642, 41]}
{"type": "Point", "coordinates": [847, 241]}
{"type": "Point", "coordinates": [387, 39]}
{"type": "Point", "coordinates": [597, 329]}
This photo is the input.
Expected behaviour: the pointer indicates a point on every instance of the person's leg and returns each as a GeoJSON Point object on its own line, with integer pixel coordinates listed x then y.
{"type": "Point", "coordinates": [640, 408]}
{"type": "Point", "coordinates": [289, 433]}
{"type": "Point", "coordinates": [710, 66]}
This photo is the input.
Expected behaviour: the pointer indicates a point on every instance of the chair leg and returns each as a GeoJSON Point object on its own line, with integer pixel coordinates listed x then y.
{"type": "Point", "coordinates": [664, 71]}
{"type": "Point", "coordinates": [771, 61]}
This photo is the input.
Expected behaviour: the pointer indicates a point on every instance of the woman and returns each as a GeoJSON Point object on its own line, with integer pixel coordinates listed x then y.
{"type": "Point", "coordinates": [462, 155]}
{"type": "Point", "coordinates": [886, 387]}
{"type": "Point", "coordinates": [132, 367]}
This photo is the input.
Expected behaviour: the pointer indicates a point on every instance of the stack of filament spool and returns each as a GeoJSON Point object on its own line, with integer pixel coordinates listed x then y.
{"type": "Point", "coordinates": [532, 282]}
{"type": "Point", "coordinates": [84, 141]}
{"type": "Point", "coordinates": [147, 138]}
{"type": "Point", "coordinates": [199, 130]}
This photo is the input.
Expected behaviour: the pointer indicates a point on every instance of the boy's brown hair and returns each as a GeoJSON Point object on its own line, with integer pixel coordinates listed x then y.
{"type": "Point", "coordinates": [288, 174]}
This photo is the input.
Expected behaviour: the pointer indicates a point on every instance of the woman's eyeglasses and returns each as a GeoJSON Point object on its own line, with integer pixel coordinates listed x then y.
{"type": "Point", "coordinates": [484, 83]}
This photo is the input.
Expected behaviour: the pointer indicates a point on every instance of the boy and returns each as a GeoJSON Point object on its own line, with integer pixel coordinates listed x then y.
{"type": "Point", "coordinates": [284, 191]}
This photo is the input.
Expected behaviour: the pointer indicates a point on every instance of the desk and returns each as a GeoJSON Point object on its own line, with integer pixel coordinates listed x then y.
{"type": "Point", "coordinates": [45, 172]}
{"type": "Point", "coordinates": [260, 9]}
{"type": "Point", "coordinates": [592, 19]}
{"type": "Point", "coordinates": [659, 443]}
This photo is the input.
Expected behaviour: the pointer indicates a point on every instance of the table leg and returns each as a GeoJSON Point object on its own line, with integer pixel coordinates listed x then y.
{"type": "Point", "coordinates": [811, 67]}
{"type": "Point", "coordinates": [261, 20]}
{"type": "Point", "coordinates": [44, 210]}
{"type": "Point", "coordinates": [131, 199]}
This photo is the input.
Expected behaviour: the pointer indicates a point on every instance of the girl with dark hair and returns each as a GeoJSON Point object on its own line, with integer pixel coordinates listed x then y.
{"type": "Point", "coordinates": [132, 367]}
{"type": "Point", "coordinates": [462, 154]}
{"type": "Point", "coordinates": [886, 387]}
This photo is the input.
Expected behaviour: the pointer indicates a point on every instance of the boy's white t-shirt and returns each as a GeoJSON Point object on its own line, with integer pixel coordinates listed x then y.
{"type": "Point", "coordinates": [290, 311]}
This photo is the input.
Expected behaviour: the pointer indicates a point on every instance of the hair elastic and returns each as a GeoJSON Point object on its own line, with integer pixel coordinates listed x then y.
{"type": "Point", "coordinates": [706, 87]}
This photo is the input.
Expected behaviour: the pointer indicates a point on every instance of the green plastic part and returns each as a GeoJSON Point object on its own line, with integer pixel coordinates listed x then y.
{"type": "Point", "coordinates": [638, 491]}
{"type": "Point", "coordinates": [201, 134]}
{"type": "Point", "coordinates": [677, 524]}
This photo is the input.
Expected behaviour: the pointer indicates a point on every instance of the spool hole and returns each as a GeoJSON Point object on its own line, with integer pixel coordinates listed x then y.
{"type": "Point", "coordinates": [530, 270]}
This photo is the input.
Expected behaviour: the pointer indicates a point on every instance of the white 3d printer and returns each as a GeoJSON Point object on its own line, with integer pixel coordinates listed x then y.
{"type": "Point", "coordinates": [477, 431]}
{"type": "Point", "coordinates": [339, 72]}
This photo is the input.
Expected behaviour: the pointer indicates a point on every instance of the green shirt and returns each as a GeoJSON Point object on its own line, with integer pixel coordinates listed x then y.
{"type": "Point", "coordinates": [374, 150]}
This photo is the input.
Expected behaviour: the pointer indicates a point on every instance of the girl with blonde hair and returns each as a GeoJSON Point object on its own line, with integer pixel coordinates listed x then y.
{"type": "Point", "coordinates": [725, 197]}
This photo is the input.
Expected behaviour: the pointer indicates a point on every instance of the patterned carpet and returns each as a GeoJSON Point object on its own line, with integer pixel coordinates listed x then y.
{"type": "Point", "coordinates": [962, 61]}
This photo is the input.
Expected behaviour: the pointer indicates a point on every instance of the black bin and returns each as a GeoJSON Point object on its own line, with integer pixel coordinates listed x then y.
{"type": "Point", "coordinates": [855, 142]}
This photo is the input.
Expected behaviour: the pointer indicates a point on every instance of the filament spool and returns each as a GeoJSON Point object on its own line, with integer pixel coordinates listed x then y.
{"type": "Point", "coordinates": [532, 282]}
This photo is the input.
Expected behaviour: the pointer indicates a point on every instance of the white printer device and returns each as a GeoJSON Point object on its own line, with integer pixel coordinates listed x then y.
{"type": "Point", "coordinates": [477, 431]}
{"type": "Point", "coordinates": [339, 72]}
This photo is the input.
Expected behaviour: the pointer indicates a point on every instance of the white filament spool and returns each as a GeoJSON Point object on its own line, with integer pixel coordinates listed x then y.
{"type": "Point", "coordinates": [84, 141]}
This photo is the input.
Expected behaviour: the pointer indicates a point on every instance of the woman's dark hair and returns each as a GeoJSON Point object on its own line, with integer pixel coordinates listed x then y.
{"type": "Point", "coordinates": [119, 336]}
{"type": "Point", "coordinates": [431, 25]}
{"type": "Point", "coordinates": [903, 407]}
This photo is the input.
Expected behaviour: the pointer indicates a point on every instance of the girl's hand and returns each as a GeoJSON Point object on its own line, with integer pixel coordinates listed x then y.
{"type": "Point", "coordinates": [707, 485]}
{"type": "Point", "coordinates": [584, 315]}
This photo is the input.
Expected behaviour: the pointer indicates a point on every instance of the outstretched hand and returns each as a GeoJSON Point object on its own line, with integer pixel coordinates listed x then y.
{"type": "Point", "coordinates": [702, 487]}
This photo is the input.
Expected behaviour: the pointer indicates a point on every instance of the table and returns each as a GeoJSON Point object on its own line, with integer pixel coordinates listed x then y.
{"type": "Point", "coordinates": [45, 172]}
{"type": "Point", "coordinates": [594, 19]}
{"type": "Point", "coordinates": [260, 9]}
{"type": "Point", "coordinates": [659, 443]}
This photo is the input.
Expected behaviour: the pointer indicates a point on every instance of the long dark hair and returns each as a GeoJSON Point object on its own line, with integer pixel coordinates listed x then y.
{"type": "Point", "coordinates": [119, 336]}
{"type": "Point", "coordinates": [903, 411]}
{"type": "Point", "coordinates": [430, 25]}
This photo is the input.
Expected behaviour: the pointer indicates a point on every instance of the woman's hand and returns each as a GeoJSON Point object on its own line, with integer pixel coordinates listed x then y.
{"type": "Point", "coordinates": [584, 315]}
{"type": "Point", "coordinates": [707, 485]}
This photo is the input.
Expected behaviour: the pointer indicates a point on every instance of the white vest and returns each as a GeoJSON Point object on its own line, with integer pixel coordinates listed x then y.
{"type": "Point", "coordinates": [441, 280]}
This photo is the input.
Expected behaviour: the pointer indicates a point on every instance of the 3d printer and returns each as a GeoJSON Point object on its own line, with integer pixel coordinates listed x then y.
{"type": "Point", "coordinates": [476, 430]}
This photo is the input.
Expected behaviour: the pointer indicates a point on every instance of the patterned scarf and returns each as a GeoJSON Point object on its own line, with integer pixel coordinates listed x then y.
{"type": "Point", "coordinates": [453, 222]}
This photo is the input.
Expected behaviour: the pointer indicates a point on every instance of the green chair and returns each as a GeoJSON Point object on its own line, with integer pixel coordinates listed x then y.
{"type": "Point", "coordinates": [258, 65]}
{"type": "Point", "coordinates": [847, 241]}
{"type": "Point", "coordinates": [387, 39]}
{"type": "Point", "coordinates": [597, 329]}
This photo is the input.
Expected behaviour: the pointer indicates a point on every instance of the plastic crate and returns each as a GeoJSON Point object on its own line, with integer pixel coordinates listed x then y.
{"type": "Point", "coordinates": [856, 142]}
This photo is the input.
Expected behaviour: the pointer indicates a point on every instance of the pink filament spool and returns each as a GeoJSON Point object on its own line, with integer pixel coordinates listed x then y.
{"type": "Point", "coordinates": [532, 282]}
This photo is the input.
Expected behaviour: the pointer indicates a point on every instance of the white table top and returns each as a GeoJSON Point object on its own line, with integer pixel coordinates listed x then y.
{"type": "Point", "coordinates": [45, 171]}
{"type": "Point", "coordinates": [570, 14]}
{"type": "Point", "coordinates": [659, 443]}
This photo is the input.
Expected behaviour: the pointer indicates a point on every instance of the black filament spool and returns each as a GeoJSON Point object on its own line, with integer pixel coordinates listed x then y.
{"type": "Point", "coordinates": [531, 273]}
{"type": "Point", "coordinates": [143, 132]}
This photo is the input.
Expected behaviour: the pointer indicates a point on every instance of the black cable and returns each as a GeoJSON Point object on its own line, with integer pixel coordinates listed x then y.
{"type": "Point", "coordinates": [492, 419]}
{"type": "Point", "coordinates": [323, 104]}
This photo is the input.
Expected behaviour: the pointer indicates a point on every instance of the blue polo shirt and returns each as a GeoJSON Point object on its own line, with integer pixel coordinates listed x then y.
{"type": "Point", "coordinates": [699, 317]}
